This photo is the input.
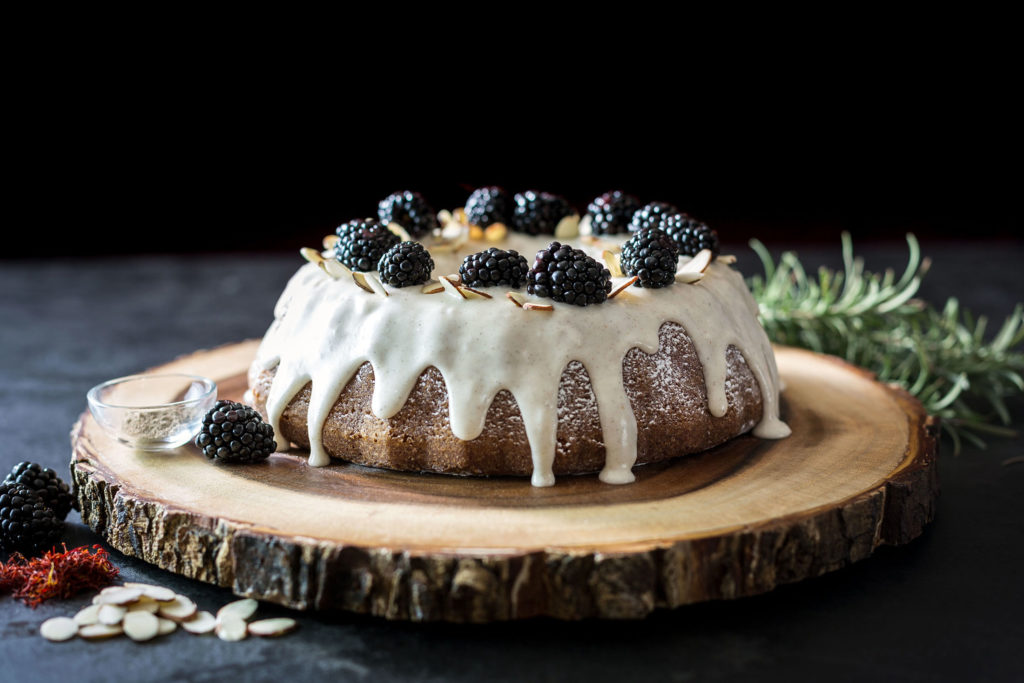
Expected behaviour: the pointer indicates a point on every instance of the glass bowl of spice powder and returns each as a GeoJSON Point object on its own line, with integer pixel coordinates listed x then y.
{"type": "Point", "coordinates": [153, 412]}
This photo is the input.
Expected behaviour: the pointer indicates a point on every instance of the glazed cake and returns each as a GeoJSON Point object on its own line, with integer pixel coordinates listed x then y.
{"type": "Point", "coordinates": [443, 377]}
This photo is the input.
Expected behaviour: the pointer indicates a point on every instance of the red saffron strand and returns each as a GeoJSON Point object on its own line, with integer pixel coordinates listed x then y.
{"type": "Point", "coordinates": [56, 574]}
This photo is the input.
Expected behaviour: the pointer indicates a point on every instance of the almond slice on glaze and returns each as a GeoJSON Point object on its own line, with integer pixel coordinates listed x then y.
{"type": "Point", "coordinates": [397, 229]}
{"type": "Point", "coordinates": [451, 287]}
{"type": "Point", "coordinates": [360, 280]}
{"type": "Point", "coordinates": [623, 286]}
{"type": "Point", "coordinates": [495, 232]}
{"type": "Point", "coordinates": [530, 306]}
{"type": "Point", "coordinates": [516, 298]}
{"type": "Point", "coordinates": [334, 268]}
{"type": "Point", "coordinates": [200, 623]}
{"type": "Point", "coordinates": [272, 627]}
{"type": "Point", "coordinates": [611, 259]}
{"type": "Point", "coordinates": [432, 287]}
{"type": "Point", "coordinates": [311, 255]}
{"type": "Point", "coordinates": [727, 259]}
{"type": "Point", "coordinates": [329, 242]}
{"type": "Point", "coordinates": [694, 269]}
{"type": "Point", "coordinates": [474, 293]}
{"type": "Point", "coordinates": [568, 227]}
{"type": "Point", "coordinates": [585, 226]}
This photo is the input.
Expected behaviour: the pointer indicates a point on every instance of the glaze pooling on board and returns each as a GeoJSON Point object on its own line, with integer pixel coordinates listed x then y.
{"type": "Point", "coordinates": [325, 329]}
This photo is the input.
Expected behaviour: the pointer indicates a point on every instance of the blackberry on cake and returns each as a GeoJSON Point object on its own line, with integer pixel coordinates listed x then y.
{"type": "Point", "coordinates": [45, 483]}
{"type": "Point", "coordinates": [27, 524]}
{"type": "Point", "coordinates": [361, 243]}
{"type": "Point", "coordinates": [487, 206]}
{"type": "Point", "coordinates": [410, 210]}
{"type": "Point", "coordinates": [538, 213]}
{"type": "Point", "coordinates": [651, 255]}
{"type": "Point", "coordinates": [689, 234]}
{"type": "Point", "coordinates": [650, 215]}
{"type": "Point", "coordinates": [234, 432]}
{"type": "Point", "coordinates": [568, 275]}
{"type": "Point", "coordinates": [494, 268]}
{"type": "Point", "coordinates": [405, 264]}
{"type": "Point", "coordinates": [611, 213]}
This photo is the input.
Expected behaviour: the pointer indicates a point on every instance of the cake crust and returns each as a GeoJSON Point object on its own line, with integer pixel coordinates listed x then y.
{"type": "Point", "coordinates": [666, 391]}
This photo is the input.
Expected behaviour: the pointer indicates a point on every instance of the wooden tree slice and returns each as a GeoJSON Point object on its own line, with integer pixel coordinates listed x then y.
{"type": "Point", "coordinates": [859, 471]}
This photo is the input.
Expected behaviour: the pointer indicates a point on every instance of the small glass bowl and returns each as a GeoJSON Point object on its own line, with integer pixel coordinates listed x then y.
{"type": "Point", "coordinates": [153, 412]}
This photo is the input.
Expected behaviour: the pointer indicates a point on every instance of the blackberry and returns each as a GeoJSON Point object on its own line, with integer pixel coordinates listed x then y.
{"type": "Point", "coordinates": [538, 213]}
{"type": "Point", "coordinates": [652, 255]}
{"type": "Point", "coordinates": [362, 243]}
{"type": "Point", "coordinates": [488, 205]}
{"type": "Point", "coordinates": [568, 275]}
{"type": "Point", "coordinates": [410, 210]}
{"type": "Point", "coordinates": [235, 433]}
{"type": "Point", "coordinates": [27, 524]}
{"type": "Point", "coordinates": [649, 216]}
{"type": "Point", "coordinates": [611, 212]}
{"type": "Point", "coordinates": [45, 483]}
{"type": "Point", "coordinates": [405, 264]}
{"type": "Point", "coordinates": [494, 268]}
{"type": "Point", "coordinates": [690, 234]}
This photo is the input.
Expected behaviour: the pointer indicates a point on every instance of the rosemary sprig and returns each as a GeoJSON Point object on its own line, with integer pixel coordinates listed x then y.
{"type": "Point", "coordinates": [872, 320]}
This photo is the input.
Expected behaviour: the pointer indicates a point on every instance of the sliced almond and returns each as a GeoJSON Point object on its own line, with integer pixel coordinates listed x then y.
{"type": "Point", "coordinates": [451, 286]}
{"type": "Point", "coordinates": [200, 623]}
{"type": "Point", "coordinates": [727, 259]}
{"type": "Point", "coordinates": [58, 629]}
{"type": "Point", "coordinates": [376, 285]}
{"type": "Point", "coordinates": [585, 225]}
{"type": "Point", "coordinates": [476, 232]}
{"type": "Point", "coordinates": [444, 217]}
{"type": "Point", "coordinates": [400, 231]}
{"type": "Point", "coordinates": [111, 614]}
{"type": "Point", "coordinates": [239, 609]}
{"type": "Point", "coordinates": [472, 293]}
{"type": "Point", "coordinates": [623, 286]}
{"type": "Point", "coordinates": [516, 298]}
{"type": "Point", "coordinates": [311, 255]}
{"type": "Point", "coordinates": [611, 259]}
{"type": "Point", "coordinates": [459, 215]}
{"type": "Point", "coordinates": [144, 604]}
{"type": "Point", "coordinates": [272, 627]}
{"type": "Point", "coordinates": [329, 242]}
{"type": "Point", "coordinates": [141, 626]}
{"type": "Point", "coordinates": [360, 280]}
{"type": "Point", "coordinates": [119, 595]}
{"type": "Point", "coordinates": [334, 268]}
{"type": "Point", "coordinates": [100, 631]}
{"type": "Point", "coordinates": [88, 615]}
{"type": "Point", "coordinates": [495, 232]}
{"type": "Point", "coordinates": [530, 306]}
{"type": "Point", "coordinates": [166, 626]}
{"type": "Point", "coordinates": [568, 227]}
{"type": "Point", "coordinates": [432, 287]}
{"type": "Point", "coordinates": [232, 629]}
{"type": "Point", "coordinates": [158, 593]}
{"type": "Point", "coordinates": [181, 609]}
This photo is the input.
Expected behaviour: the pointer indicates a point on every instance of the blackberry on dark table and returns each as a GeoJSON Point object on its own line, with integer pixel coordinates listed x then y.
{"type": "Point", "coordinates": [410, 210]}
{"type": "Point", "coordinates": [27, 524]}
{"type": "Point", "coordinates": [494, 268]}
{"type": "Point", "coordinates": [568, 275]}
{"type": "Point", "coordinates": [46, 484]}
{"type": "Point", "coordinates": [234, 432]}
{"type": "Point", "coordinates": [362, 243]}
{"type": "Point", "coordinates": [405, 264]}
{"type": "Point", "coordinates": [652, 255]}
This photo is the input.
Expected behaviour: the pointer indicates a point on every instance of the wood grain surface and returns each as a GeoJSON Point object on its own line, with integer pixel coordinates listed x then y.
{"type": "Point", "coordinates": [858, 472]}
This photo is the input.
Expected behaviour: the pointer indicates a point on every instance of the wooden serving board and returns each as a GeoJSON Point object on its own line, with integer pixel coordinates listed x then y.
{"type": "Point", "coordinates": [858, 472]}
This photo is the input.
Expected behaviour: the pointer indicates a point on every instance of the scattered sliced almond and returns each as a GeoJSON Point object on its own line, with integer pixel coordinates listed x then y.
{"type": "Point", "coordinates": [59, 629]}
{"type": "Point", "coordinates": [239, 609]}
{"type": "Point", "coordinates": [180, 610]}
{"type": "Point", "coordinates": [376, 285]}
{"type": "Point", "coordinates": [516, 298]}
{"type": "Point", "coordinates": [99, 631]}
{"type": "Point", "coordinates": [88, 615]}
{"type": "Point", "coordinates": [272, 627]}
{"type": "Point", "coordinates": [727, 259]}
{"type": "Point", "coordinates": [451, 286]}
{"type": "Point", "coordinates": [400, 231]}
{"type": "Point", "coordinates": [611, 259]}
{"type": "Point", "coordinates": [329, 242]}
{"type": "Point", "coordinates": [459, 215]}
{"type": "Point", "coordinates": [568, 227]}
{"type": "Point", "coordinates": [158, 593]}
{"type": "Point", "coordinates": [452, 239]}
{"type": "Point", "coordinates": [335, 268]}
{"type": "Point", "coordinates": [530, 306]}
{"type": "Point", "coordinates": [694, 269]}
{"type": "Point", "coordinates": [311, 255]}
{"type": "Point", "coordinates": [141, 626]}
{"type": "Point", "coordinates": [144, 605]}
{"type": "Point", "coordinates": [200, 623]}
{"type": "Point", "coordinates": [475, 232]}
{"type": "Point", "coordinates": [166, 626]}
{"type": "Point", "coordinates": [360, 280]}
{"type": "Point", "coordinates": [432, 287]}
{"type": "Point", "coordinates": [623, 286]}
{"type": "Point", "coordinates": [119, 595]}
{"type": "Point", "coordinates": [585, 225]}
{"type": "Point", "coordinates": [444, 217]}
{"type": "Point", "coordinates": [495, 232]}
{"type": "Point", "coordinates": [474, 293]}
{"type": "Point", "coordinates": [232, 629]}
{"type": "Point", "coordinates": [111, 614]}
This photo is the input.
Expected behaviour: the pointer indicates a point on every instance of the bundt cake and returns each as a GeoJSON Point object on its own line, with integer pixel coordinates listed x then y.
{"type": "Point", "coordinates": [457, 377]}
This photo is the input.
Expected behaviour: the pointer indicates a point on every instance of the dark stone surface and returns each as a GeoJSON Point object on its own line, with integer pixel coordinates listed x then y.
{"type": "Point", "coordinates": [948, 606]}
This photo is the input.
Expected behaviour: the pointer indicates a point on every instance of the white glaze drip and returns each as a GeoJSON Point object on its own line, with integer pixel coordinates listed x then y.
{"type": "Point", "coordinates": [325, 329]}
